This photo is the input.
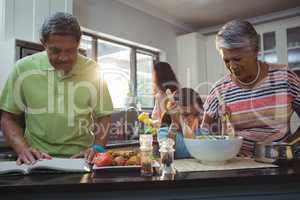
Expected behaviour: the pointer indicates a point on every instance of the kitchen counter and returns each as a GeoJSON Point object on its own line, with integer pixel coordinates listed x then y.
{"type": "Point", "coordinates": [267, 183]}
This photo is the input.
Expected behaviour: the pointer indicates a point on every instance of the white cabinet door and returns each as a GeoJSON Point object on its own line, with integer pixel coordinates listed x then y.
{"type": "Point", "coordinates": [41, 11]}
{"type": "Point", "coordinates": [61, 6]}
{"type": "Point", "coordinates": [283, 44]}
{"type": "Point", "coordinates": [269, 43]}
{"type": "Point", "coordinates": [30, 14]}
{"type": "Point", "coordinates": [23, 19]}
{"type": "Point", "coordinates": [292, 43]}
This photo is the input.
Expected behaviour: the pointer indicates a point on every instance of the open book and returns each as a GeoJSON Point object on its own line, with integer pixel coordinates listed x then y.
{"type": "Point", "coordinates": [53, 165]}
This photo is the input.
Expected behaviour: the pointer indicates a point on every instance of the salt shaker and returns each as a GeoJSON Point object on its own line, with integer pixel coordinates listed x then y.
{"type": "Point", "coordinates": [167, 156]}
{"type": "Point", "coordinates": [146, 154]}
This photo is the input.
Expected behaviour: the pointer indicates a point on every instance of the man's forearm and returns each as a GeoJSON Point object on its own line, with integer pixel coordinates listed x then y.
{"type": "Point", "coordinates": [13, 132]}
{"type": "Point", "coordinates": [103, 125]}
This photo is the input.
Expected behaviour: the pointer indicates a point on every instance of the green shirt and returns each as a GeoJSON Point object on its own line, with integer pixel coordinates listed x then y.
{"type": "Point", "coordinates": [58, 108]}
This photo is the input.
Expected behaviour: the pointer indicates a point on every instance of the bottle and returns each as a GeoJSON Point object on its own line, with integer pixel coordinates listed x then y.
{"type": "Point", "coordinates": [167, 157]}
{"type": "Point", "coordinates": [146, 154]}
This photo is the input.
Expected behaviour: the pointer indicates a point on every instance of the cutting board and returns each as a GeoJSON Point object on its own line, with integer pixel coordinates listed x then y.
{"type": "Point", "coordinates": [190, 165]}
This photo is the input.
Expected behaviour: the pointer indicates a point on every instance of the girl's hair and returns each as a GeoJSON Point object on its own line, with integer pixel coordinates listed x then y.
{"type": "Point", "coordinates": [165, 77]}
{"type": "Point", "coordinates": [186, 97]}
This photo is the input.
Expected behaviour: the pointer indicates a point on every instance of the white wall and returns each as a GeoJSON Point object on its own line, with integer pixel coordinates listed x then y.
{"type": "Point", "coordinates": [117, 19]}
{"type": "Point", "coordinates": [192, 61]}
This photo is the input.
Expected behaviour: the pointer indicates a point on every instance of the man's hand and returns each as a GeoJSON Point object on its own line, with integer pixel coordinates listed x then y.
{"type": "Point", "coordinates": [87, 154]}
{"type": "Point", "coordinates": [30, 155]}
{"type": "Point", "coordinates": [102, 129]}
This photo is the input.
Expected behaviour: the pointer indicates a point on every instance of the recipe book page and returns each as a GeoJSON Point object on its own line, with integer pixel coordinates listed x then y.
{"type": "Point", "coordinates": [59, 164]}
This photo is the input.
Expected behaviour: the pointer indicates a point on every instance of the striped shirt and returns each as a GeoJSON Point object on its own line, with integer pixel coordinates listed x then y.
{"type": "Point", "coordinates": [261, 113]}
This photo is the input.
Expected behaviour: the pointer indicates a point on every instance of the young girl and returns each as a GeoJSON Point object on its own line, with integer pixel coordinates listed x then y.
{"type": "Point", "coordinates": [182, 119]}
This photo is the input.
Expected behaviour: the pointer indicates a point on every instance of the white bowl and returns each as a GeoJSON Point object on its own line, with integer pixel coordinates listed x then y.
{"type": "Point", "coordinates": [214, 152]}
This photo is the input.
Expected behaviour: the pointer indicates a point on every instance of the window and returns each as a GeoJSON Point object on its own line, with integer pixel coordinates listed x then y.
{"type": "Point", "coordinates": [86, 46]}
{"type": "Point", "coordinates": [144, 65]}
{"type": "Point", "coordinates": [114, 61]}
{"type": "Point", "coordinates": [126, 68]}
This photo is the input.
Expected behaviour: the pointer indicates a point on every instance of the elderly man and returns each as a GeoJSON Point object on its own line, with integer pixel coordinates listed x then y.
{"type": "Point", "coordinates": [67, 106]}
{"type": "Point", "coordinates": [259, 97]}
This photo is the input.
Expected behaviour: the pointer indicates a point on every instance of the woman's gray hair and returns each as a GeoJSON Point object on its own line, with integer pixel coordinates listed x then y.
{"type": "Point", "coordinates": [60, 23]}
{"type": "Point", "coordinates": [237, 34]}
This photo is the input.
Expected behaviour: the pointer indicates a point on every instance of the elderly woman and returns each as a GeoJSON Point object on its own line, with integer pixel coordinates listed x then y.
{"type": "Point", "coordinates": [259, 97]}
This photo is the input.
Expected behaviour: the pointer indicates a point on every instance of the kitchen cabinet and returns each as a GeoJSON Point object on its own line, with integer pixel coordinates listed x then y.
{"type": "Point", "coordinates": [280, 42]}
{"type": "Point", "coordinates": [293, 48]}
{"type": "Point", "coordinates": [29, 15]}
{"type": "Point", "coordinates": [22, 19]}
{"type": "Point", "coordinates": [267, 47]}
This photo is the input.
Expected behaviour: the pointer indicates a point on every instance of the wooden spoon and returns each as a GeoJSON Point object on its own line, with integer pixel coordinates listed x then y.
{"type": "Point", "coordinates": [294, 141]}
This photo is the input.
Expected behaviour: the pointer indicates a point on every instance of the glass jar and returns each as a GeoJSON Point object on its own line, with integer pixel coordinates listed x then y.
{"type": "Point", "coordinates": [146, 154]}
{"type": "Point", "coordinates": [146, 162]}
{"type": "Point", "coordinates": [167, 156]}
{"type": "Point", "coordinates": [146, 141]}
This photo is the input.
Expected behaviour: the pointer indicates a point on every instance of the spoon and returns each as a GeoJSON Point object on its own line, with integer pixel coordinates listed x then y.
{"type": "Point", "coordinates": [294, 141]}
{"type": "Point", "coordinates": [226, 118]}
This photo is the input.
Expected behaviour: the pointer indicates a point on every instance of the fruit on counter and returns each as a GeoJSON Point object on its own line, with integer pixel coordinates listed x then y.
{"type": "Point", "coordinates": [134, 160]}
{"type": "Point", "coordinates": [124, 154]}
{"type": "Point", "coordinates": [117, 158]}
{"type": "Point", "coordinates": [119, 161]}
{"type": "Point", "coordinates": [103, 159]}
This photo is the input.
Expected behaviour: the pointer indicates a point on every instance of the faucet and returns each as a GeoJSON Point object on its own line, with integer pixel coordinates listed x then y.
{"type": "Point", "coordinates": [131, 122]}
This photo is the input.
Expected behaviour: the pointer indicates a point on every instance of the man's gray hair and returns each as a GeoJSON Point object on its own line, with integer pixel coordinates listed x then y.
{"type": "Point", "coordinates": [60, 23]}
{"type": "Point", "coordinates": [237, 34]}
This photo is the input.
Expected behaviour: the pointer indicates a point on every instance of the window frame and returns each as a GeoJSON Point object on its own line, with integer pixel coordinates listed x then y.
{"type": "Point", "coordinates": [133, 62]}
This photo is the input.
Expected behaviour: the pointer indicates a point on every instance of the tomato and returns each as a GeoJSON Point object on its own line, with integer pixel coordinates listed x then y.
{"type": "Point", "coordinates": [103, 159]}
{"type": "Point", "coordinates": [133, 160]}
